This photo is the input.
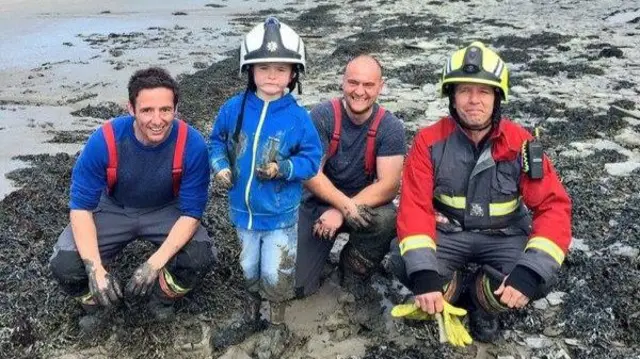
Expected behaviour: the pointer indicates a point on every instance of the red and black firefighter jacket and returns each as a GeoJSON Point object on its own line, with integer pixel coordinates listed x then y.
{"type": "Point", "coordinates": [481, 189]}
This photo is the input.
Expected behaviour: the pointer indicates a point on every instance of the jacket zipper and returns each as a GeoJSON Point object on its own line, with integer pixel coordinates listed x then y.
{"type": "Point", "coordinates": [263, 114]}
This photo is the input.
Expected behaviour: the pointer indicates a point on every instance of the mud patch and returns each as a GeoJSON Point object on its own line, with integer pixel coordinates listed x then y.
{"type": "Point", "coordinates": [515, 56]}
{"type": "Point", "coordinates": [583, 124]}
{"type": "Point", "coordinates": [545, 40]}
{"type": "Point", "coordinates": [418, 74]}
{"type": "Point", "coordinates": [103, 111]}
{"type": "Point", "coordinates": [572, 71]}
{"type": "Point", "coordinates": [77, 136]}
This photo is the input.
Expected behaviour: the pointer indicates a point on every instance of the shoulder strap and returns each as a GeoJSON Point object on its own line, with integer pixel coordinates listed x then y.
{"type": "Point", "coordinates": [112, 152]}
{"type": "Point", "coordinates": [370, 151]}
{"type": "Point", "coordinates": [178, 156]}
{"type": "Point", "coordinates": [337, 127]}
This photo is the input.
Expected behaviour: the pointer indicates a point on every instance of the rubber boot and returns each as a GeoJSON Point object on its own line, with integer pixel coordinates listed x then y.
{"type": "Point", "coordinates": [93, 318]}
{"type": "Point", "coordinates": [160, 306]}
{"type": "Point", "coordinates": [484, 327]}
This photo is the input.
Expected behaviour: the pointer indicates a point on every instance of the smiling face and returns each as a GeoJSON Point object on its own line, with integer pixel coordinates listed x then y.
{"type": "Point", "coordinates": [272, 79]}
{"type": "Point", "coordinates": [361, 85]}
{"type": "Point", "coordinates": [154, 113]}
{"type": "Point", "coordinates": [474, 104]}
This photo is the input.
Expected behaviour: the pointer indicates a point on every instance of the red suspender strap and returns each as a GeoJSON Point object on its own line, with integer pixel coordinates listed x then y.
{"type": "Point", "coordinates": [337, 127]}
{"type": "Point", "coordinates": [370, 151]}
{"type": "Point", "coordinates": [178, 156]}
{"type": "Point", "coordinates": [112, 152]}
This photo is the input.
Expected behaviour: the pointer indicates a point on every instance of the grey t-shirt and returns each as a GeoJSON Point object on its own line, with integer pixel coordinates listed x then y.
{"type": "Point", "coordinates": [345, 169]}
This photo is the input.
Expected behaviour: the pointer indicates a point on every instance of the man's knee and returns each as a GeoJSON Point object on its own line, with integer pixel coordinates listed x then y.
{"type": "Point", "coordinates": [67, 268]}
{"type": "Point", "coordinates": [385, 218]}
{"type": "Point", "coordinates": [198, 255]}
{"type": "Point", "coordinates": [193, 262]}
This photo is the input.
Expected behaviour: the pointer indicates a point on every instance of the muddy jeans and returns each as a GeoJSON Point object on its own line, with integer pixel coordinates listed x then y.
{"type": "Point", "coordinates": [268, 261]}
{"type": "Point", "coordinates": [118, 226]}
{"type": "Point", "coordinates": [368, 245]}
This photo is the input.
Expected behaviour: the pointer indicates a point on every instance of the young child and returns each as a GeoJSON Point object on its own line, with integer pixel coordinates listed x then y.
{"type": "Point", "coordinates": [263, 145]}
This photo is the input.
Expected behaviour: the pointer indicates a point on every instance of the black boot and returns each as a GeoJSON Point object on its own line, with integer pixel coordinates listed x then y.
{"type": "Point", "coordinates": [93, 318]}
{"type": "Point", "coordinates": [484, 327]}
{"type": "Point", "coordinates": [161, 309]}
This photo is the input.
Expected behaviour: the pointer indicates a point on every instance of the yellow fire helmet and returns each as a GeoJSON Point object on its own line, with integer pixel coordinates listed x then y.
{"type": "Point", "coordinates": [475, 64]}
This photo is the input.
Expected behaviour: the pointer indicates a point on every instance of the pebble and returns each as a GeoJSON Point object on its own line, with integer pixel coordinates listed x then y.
{"type": "Point", "coordinates": [628, 137]}
{"type": "Point", "coordinates": [618, 249]}
{"type": "Point", "coordinates": [572, 342]}
{"type": "Point", "coordinates": [541, 304]}
{"type": "Point", "coordinates": [621, 169]}
{"type": "Point", "coordinates": [579, 245]}
{"type": "Point", "coordinates": [552, 331]}
{"type": "Point", "coordinates": [555, 298]}
{"type": "Point", "coordinates": [538, 342]}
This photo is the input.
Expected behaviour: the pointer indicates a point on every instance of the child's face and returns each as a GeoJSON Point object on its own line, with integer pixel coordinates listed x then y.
{"type": "Point", "coordinates": [272, 79]}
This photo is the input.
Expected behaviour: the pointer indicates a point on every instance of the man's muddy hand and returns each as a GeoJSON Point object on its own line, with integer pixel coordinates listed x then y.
{"type": "Point", "coordinates": [358, 216]}
{"type": "Point", "coordinates": [142, 280]}
{"type": "Point", "coordinates": [328, 224]}
{"type": "Point", "coordinates": [104, 288]}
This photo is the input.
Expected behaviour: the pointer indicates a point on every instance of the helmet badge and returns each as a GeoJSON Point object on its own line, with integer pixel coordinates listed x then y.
{"type": "Point", "coordinates": [272, 46]}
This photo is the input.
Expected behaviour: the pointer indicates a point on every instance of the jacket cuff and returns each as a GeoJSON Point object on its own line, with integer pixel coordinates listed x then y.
{"type": "Point", "coordinates": [284, 169]}
{"type": "Point", "coordinates": [426, 281]}
{"type": "Point", "coordinates": [524, 280]}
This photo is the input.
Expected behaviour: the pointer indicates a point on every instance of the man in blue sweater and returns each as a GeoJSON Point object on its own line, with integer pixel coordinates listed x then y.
{"type": "Point", "coordinates": [144, 175]}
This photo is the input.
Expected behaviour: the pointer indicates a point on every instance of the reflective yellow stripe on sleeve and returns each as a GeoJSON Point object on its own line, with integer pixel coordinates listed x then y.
{"type": "Point", "coordinates": [547, 246]}
{"type": "Point", "coordinates": [415, 242]}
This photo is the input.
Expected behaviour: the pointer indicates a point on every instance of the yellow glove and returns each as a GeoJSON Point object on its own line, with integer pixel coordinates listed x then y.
{"type": "Point", "coordinates": [456, 332]}
{"type": "Point", "coordinates": [410, 311]}
{"type": "Point", "coordinates": [453, 332]}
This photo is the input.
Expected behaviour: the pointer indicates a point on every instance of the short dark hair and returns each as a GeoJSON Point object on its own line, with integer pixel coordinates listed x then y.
{"type": "Point", "coordinates": [150, 78]}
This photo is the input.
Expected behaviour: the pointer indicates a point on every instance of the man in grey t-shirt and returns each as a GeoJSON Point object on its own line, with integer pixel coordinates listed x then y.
{"type": "Point", "coordinates": [343, 197]}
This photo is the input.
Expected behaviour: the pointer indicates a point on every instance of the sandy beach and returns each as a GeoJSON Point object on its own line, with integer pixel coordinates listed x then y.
{"type": "Point", "coordinates": [60, 57]}
{"type": "Point", "coordinates": [64, 69]}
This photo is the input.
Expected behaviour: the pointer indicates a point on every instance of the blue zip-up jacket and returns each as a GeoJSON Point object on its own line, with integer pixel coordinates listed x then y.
{"type": "Point", "coordinates": [144, 172]}
{"type": "Point", "coordinates": [280, 131]}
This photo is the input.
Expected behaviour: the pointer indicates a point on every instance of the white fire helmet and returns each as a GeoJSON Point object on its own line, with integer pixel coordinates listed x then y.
{"type": "Point", "coordinates": [272, 41]}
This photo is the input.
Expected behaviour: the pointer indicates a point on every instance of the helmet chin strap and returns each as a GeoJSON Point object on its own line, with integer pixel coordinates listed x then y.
{"type": "Point", "coordinates": [495, 116]}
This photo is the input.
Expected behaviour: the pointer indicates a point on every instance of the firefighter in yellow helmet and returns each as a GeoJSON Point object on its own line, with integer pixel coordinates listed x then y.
{"type": "Point", "coordinates": [475, 191]}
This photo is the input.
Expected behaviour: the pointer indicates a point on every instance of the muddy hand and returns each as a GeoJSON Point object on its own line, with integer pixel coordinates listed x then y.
{"type": "Point", "coordinates": [360, 216]}
{"type": "Point", "coordinates": [104, 288]}
{"type": "Point", "coordinates": [224, 178]}
{"type": "Point", "coordinates": [268, 171]}
{"type": "Point", "coordinates": [328, 224]}
{"type": "Point", "coordinates": [142, 280]}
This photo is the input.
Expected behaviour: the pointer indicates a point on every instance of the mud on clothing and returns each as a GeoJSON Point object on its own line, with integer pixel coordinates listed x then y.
{"type": "Point", "coordinates": [265, 212]}
{"type": "Point", "coordinates": [279, 130]}
{"type": "Point", "coordinates": [346, 170]}
{"type": "Point", "coordinates": [118, 226]}
{"type": "Point", "coordinates": [268, 261]}
{"type": "Point", "coordinates": [482, 191]}
{"type": "Point", "coordinates": [142, 203]}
